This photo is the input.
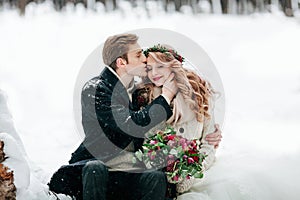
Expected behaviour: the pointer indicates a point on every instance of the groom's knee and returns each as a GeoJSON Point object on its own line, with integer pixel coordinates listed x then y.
{"type": "Point", "coordinates": [95, 169]}
{"type": "Point", "coordinates": [94, 180]}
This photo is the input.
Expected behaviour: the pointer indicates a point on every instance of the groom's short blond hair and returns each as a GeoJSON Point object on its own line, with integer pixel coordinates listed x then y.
{"type": "Point", "coordinates": [117, 46]}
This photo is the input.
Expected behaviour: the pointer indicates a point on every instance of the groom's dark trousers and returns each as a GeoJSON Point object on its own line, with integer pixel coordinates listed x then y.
{"type": "Point", "coordinates": [99, 183]}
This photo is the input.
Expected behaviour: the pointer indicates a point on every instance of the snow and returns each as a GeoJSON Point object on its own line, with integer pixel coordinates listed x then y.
{"type": "Point", "coordinates": [16, 161]}
{"type": "Point", "coordinates": [256, 57]}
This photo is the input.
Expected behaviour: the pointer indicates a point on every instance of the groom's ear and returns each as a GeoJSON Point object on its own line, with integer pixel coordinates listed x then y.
{"type": "Point", "coordinates": [121, 62]}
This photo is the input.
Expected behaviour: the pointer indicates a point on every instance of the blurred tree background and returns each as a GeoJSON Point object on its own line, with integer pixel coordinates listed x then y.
{"type": "Point", "coordinates": [240, 7]}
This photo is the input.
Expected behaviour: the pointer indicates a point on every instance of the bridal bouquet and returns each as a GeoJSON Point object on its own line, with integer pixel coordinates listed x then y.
{"type": "Point", "coordinates": [180, 158]}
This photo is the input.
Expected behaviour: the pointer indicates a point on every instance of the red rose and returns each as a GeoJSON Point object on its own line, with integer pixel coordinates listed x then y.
{"type": "Point", "coordinates": [192, 152]}
{"type": "Point", "coordinates": [170, 137]}
{"type": "Point", "coordinates": [193, 144]}
{"type": "Point", "coordinates": [196, 158]}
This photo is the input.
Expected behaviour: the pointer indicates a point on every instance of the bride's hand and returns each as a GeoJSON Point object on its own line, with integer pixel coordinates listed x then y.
{"type": "Point", "coordinates": [185, 185]}
{"type": "Point", "coordinates": [170, 87]}
{"type": "Point", "coordinates": [215, 137]}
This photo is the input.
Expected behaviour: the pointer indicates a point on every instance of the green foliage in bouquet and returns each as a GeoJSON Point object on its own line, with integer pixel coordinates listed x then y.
{"type": "Point", "coordinates": [179, 157]}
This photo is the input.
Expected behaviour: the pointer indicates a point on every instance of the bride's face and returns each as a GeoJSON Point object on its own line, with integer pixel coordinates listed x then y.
{"type": "Point", "coordinates": [157, 72]}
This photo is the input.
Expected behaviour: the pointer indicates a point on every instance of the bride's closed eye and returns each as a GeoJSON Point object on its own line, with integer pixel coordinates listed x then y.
{"type": "Point", "coordinates": [149, 68]}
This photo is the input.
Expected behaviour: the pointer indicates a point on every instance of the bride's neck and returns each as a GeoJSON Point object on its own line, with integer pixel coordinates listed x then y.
{"type": "Point", "coordinates": [157, 91]}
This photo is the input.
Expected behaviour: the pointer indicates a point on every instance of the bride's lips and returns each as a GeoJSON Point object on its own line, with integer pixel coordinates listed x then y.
{"type": "Point", "coordinates": [157, 78]}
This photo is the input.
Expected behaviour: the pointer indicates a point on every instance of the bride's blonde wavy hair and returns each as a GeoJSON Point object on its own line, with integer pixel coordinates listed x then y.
{"type": "Point", "coordinates": [195, 90]}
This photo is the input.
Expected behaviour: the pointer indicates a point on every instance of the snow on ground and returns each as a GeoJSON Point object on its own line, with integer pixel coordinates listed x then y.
{"type": "Point", "coordinates": [256, 56]}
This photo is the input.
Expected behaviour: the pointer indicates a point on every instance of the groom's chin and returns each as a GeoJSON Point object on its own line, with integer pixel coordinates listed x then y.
{"type": "Point", "coordinates": [142, 74]}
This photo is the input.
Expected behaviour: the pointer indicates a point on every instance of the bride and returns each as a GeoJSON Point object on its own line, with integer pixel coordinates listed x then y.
{"type": "Point", "coordinates": [193, 118]}
{"type": "Point", "coordinates": [193, 105]}
{"type": "Point", "coordinates": [233, 176]}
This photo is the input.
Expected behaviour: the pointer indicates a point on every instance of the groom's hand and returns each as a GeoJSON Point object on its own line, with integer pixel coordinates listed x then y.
{"type": "Point", "coordinates": [215, 137]}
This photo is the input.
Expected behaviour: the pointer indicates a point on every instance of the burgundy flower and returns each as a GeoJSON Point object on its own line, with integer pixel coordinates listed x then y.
{"type": "Point", "coordinates": [193, 144]}
{"type": "Point", "coordinates": [180, 59]}
{"type": "Point", "coordinates": [170, 163]}
{"type": "Point", "coordinates": [140, 100]}
{"type": "Point", "coordinates": [195, 158]}
{"type": "Point", "coordinates": [175, 178]}
{"type": "Point", "coordinates": [169, 169]}
{"type": "Point", "coordinates": [192, 151]}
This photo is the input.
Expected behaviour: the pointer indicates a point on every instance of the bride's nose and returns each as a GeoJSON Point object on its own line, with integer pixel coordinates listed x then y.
{"type": "Point", "coordinates": [154, 71]}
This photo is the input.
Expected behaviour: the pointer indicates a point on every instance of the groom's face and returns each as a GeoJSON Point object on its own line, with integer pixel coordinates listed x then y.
{"type": "Point", "coordinates": [136, 65]}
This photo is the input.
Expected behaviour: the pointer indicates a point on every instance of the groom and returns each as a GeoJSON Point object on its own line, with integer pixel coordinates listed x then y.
{"type": "Point", "coordinates": [114, 130]}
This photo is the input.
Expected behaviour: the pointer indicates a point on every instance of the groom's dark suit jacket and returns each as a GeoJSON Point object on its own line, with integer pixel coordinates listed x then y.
{"type": "Point", "coordinates": [110, 124]}
{"type": "Point", "coordinates": [110, 121]}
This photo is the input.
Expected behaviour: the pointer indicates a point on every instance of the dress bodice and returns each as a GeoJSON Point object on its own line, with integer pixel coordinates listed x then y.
{"type": "Point", "coordinates": [186, 124]}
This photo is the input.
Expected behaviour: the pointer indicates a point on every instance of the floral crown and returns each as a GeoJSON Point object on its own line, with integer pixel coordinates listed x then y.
{"type": "Point", "coordinates": [165, 50]}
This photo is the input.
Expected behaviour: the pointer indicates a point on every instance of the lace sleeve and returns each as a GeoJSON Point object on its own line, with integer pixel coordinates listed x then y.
{"type": "Point", "coordinates": [185, 185]}
{"type": "Point", "coordinates": [206, 148]}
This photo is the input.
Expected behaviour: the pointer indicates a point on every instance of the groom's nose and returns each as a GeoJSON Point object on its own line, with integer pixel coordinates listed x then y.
{"type": "Point", "coordinates": [144, 59]}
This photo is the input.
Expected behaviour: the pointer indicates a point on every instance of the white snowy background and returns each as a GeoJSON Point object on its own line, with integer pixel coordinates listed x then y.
{"type": "Point", "coordinates": [257, 57]}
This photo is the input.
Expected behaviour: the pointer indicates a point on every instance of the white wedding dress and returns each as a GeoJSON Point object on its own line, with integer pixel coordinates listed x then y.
{"type": "Point", "coordinates": [221, 182]}
{"type": "Point", "coordinates": [246, 177]}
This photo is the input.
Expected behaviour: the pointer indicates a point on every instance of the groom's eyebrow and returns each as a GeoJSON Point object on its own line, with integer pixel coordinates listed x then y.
{"type": "Point", "coordinates": [135, 51]}
{"type": "Point", "coordinates": [139, 52]}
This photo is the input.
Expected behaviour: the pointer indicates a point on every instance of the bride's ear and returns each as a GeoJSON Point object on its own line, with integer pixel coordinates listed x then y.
{"type": "Point", "coordinates": [121, 62]}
